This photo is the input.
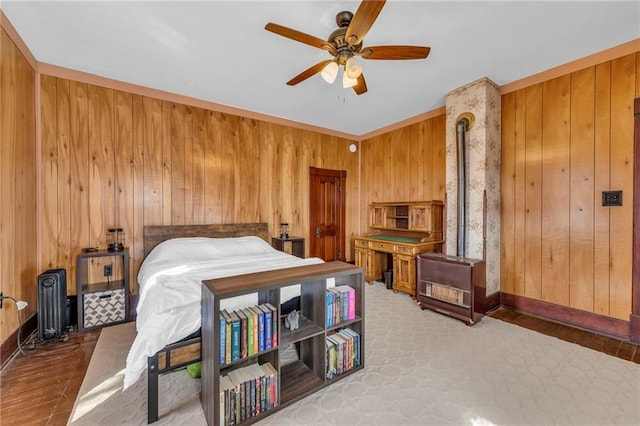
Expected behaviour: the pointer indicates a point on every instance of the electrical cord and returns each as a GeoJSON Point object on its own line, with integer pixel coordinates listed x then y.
{"type": "Point", "coordinates": [20, 305]}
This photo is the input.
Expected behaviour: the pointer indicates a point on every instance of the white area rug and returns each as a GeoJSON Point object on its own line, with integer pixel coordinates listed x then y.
{"type": "Point", "coordinates": [421, 368]}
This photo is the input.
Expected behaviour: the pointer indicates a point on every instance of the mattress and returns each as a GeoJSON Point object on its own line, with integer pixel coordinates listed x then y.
{"type": "Point", "coordinates": [170, 288]}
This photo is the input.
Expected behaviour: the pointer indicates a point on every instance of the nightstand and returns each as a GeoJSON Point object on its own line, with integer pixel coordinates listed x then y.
{"type": "Point", "coordinates": [291, 245]}
{"type": "Point", "coordinates": [102, 288]}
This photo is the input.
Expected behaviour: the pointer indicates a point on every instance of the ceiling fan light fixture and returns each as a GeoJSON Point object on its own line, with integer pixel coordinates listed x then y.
{"type": "Point", "coordinates": [353, 68]}
{"type": "Point", "coordinates": [347, 81]}
{"type": "Point", "coordinates": [330, 72]}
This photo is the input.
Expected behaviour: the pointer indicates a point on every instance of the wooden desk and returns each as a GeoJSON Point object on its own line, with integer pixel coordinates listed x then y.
{"type": "Point", "coordinates": [371, 254]}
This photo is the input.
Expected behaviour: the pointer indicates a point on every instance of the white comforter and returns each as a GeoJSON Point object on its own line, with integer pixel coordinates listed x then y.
{"type": "Point", "coordinates": [170, 288]}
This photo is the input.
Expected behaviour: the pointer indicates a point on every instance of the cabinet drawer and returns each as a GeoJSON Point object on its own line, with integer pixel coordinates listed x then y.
{"type": "Point", "coordinates": [103, 307]}
{"type": "Point", "coordinates": [376, 245]}
{"type": "Point", "coordinates": [405, 249]}
{"type": "Point", "coordinates": [362, 243]}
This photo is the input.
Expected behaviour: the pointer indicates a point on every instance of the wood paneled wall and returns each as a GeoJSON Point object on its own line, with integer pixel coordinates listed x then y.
{"type": "Point", "coordinates": [18, 225]}
{"type": "Point", "coordinates": [115, 158]}
{"type": "Point", "coordinates": [407, 164]}
{"type": "Point", "coordinates": [564, 141]}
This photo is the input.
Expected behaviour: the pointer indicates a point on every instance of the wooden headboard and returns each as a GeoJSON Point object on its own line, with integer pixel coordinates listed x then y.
{"type": "Point", "coordinates": [154, 235]}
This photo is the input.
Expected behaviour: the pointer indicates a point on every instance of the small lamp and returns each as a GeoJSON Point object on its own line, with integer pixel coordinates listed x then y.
{"type": "Point", "coordinates": [284, 230]}
{"type": "Point", "coordinates": [115, 239]}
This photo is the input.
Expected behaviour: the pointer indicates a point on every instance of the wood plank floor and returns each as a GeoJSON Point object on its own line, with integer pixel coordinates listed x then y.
{"type": "Point", "coordinates": [41, 390]}
{"type": "Point", "coordinates": [586, 338]}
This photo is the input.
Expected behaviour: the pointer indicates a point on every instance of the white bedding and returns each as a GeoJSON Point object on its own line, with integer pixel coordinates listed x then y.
{"type": "Point", "coordinates": [170, 288]}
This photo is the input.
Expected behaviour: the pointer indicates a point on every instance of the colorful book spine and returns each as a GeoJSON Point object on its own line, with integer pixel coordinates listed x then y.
{"type": "Point", "coordinates": [243, 333]}
{"type": "Point", "coordinates": [274, 324]}
{"type": "Point", "coordinates": [227, 334]}
{"type": "Point", "coordinates": [260, 315]}
{"type": "Point", "coordinates": [235, 336]}
{"type": "Point", "coordinates": [249, 314]}
{"type": "Point", "coordinates": [268, 325]}
{"type": "Point", "coordinates": [223, 338]}
{"type": "Point", "coordinates": [329, 308]}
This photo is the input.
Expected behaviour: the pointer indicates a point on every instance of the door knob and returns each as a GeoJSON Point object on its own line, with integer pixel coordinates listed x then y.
{"type": "Point", "coordinates": [318, 232]}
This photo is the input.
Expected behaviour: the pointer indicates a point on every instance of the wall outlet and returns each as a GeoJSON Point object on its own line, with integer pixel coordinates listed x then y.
{"type": "Point", "coordinates": [108, 270]}
{"type": "Point", "coordinates": [611, 198]}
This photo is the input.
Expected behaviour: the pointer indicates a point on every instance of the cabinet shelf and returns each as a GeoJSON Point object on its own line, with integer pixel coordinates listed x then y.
{"type": "Point", "coordinates": [102, 300]}
{"type": "Point", "coordinates": [103, 286]}
{"type": "Point", "coordinates": [297, 380]}
{"type": "Point", "coordinates": [305, 329]}
{"type": "Point", "coordinates": [307, 373]}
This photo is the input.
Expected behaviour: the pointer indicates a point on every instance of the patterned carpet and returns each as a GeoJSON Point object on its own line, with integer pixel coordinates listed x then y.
{"type": "Point", "coordinates": [421, 368]}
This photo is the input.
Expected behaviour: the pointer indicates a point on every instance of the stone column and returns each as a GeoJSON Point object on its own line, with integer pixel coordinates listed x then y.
{"type": "Point", "coordinates": [482, 99]}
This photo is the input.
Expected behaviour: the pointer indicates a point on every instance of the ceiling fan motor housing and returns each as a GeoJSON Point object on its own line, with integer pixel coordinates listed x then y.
{"type": "Point", "coordinates": [337, 38]}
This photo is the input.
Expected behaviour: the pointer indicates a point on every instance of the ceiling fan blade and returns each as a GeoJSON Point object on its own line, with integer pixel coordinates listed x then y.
{"type": "Point", "coordinates": [362, 21]}
{"type": "Point", "coordinates": [395, 52]}
{"type": "Point", "coordinates": [361, 86]}
{"type": "Point", "coordinates": [308, 72]}
{"type": "Point", "coordinates": [298, 36]}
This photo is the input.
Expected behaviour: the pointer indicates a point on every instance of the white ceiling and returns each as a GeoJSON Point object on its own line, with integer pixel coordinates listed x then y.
{"type": "Point", "coordinates": [219, 51]}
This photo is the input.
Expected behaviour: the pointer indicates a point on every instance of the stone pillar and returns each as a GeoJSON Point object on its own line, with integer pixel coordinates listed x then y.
{"type": "Point", "coordinates": [482, 99]}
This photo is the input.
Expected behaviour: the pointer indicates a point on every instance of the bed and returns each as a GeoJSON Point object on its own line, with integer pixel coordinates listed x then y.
{"type": "Point", "coordinates": [177, 259]}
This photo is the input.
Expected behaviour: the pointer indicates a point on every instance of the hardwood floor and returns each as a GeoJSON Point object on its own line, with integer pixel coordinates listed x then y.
{"type": "Point", "coordinates": [586, 338]}
{"type": "Point", "coordinates": [41, 390]}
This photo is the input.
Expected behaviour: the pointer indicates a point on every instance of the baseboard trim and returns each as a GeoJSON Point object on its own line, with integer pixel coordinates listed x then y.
{"type": "Point", "coordinates": [588, 320]}
{"type": "Point", "coordinates": [489, 303]}
{"type": "Point", "coordinates": [10, 345]}
{"type": "Point", "coordinates": [634, 328]}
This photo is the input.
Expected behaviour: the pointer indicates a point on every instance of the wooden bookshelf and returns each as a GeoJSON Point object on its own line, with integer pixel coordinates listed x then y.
{"type": "Point", "coordinates": [303, 376]}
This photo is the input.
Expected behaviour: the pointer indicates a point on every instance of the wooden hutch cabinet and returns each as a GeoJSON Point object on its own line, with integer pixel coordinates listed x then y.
{"type": "Point", "coordinates": [399, 231]}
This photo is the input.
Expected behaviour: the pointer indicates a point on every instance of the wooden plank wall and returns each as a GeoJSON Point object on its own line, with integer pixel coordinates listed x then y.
{"type": "Point", "coordinates": [18, 225]}
{"type": "Point", "coordinates": [564, 141]}
{"type": "Point", "coordinates": [406, 164]}
{"type": "Point", "coordinates": [115, 158]}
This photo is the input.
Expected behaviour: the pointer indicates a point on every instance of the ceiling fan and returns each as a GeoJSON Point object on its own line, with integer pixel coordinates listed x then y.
{"type": "Point", "coordinates": [345, 43]}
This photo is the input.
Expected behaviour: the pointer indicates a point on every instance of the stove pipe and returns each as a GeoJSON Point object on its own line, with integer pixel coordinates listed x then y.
{"type": "Point", "coordinates": [461, 133]}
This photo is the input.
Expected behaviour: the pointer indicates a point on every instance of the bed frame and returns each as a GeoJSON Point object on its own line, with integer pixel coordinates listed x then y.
{"type": "Point", "coordinates": [185, 351]}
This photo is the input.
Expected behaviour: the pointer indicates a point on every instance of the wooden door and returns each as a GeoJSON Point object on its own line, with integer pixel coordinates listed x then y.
{"type": "Point", "coordinates": [326, 213]}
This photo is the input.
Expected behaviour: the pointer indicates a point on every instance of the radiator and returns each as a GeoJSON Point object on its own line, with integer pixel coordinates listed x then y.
{"type": "Point", "coordinates": [52, 303]}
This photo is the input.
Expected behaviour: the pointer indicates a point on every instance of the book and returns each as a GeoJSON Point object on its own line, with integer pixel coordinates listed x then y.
{"type": "Point", "coordinates": [330, 356]}
{"type": "Point", "coordinates": [223, 338]}
{"type": "Point", "coordinates": [356, 344]}
{"type": "Point", "coordinates": [235, 336]}
{"type": "Point", "coordinates": [333, 349]}
{"type": "Point", "coordinates": [240, 413]}
{"type": "Point", "coordinates": [329, 308]}
{"type": "Point", "coordinates": [335, 307]}
{"type": "Point", "coordinates": [226, 384]}
{"type": "Point", "coordinates": [243, 333]}
{"type": "Point", "coordinates": [349, 306]}
{"type": "Point", "coordinates": [250, 348]}
{"type": "Point", "coordinates": [272, 374]}
{"type": "Point", "coordinates": [260, 315]}
{"type": "Point", "coordinates": [268, 326]}
{"type": "Point", "coordinates": [274, 325]}
{"type": "Point", "coordinates": [227, 348]}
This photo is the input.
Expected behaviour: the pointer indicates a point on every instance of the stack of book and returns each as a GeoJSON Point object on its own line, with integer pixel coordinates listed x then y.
{"type": "Point", "coordinates": [341, 304]}
{"type": "Point", "coordinates": [246, 392]}
{"type": "Point", "coordinates": [246, 332]}
{"type": "Point", "coordinates": [342, 352]}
